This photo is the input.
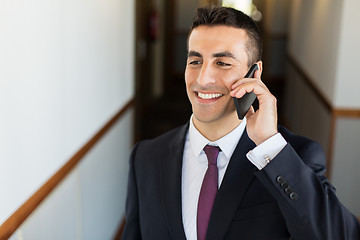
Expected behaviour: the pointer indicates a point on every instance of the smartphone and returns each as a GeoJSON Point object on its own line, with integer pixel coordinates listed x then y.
{"type": "Point", "coordinates": [244, 103]}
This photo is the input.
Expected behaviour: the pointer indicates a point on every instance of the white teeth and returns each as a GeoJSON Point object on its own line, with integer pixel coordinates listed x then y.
{"type": "Point", "coordinates": [209, 96]}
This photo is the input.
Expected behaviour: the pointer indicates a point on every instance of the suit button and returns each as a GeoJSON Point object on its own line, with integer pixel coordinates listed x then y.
{"type": "Point", "coordinates": [288, 190]}
{"type": "Point", "coordinates": [294, 196]}
{"type": "Point", "coordinates": [284, 185]}
{"type": "Point", "coordinates": [280, 179]}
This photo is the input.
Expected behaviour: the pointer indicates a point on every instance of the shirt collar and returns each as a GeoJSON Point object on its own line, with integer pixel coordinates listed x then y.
{"type": "Point", "coordinates": [227, 143]}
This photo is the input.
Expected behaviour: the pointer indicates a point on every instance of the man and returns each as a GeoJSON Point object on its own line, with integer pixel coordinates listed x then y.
{"type": "Point", "coordinates": [269, 183]}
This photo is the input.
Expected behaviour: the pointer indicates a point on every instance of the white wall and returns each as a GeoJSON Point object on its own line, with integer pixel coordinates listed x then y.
{"type": "Point", "coordinates": [66, 67]}
{"type": "Point", "coordinates": [314, 41]}
{"type": "Point", "coordinates": [324, 41]}
{"type": "Point", "coordinates": [90, 202]}
{"type": "Point", "coordinates": [346, 163]}
{"type": "Point", "coordinates": [348, 84]}
{"type": "Point", "coordinates": [346, 147]}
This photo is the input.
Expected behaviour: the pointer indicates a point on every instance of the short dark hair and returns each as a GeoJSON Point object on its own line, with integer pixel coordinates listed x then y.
{"type": "Point", "coordinates": [213, 16]}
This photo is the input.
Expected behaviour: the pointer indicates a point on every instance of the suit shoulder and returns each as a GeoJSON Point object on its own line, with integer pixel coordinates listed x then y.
{"type": "Point", "coordinates": [156, 146]}
{"type": "Point", "coordinates": [298, 141]}
{"type": "Point", "coordinates": [168, 137]}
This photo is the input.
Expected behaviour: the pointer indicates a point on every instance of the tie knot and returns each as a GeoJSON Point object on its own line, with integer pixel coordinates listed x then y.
{"type": "Point", "coordinates": [212, 153]}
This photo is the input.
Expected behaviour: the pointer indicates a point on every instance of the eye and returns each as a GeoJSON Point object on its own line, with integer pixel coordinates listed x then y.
{"type": "Point", "coordinates": [195, 62]}
{"type": "Point", "coordinates": [222, 64]}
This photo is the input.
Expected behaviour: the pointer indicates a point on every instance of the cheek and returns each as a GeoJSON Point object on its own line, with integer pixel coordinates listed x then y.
{"type": "Point", "coordinates": [190, 77]}
{"type": "Point", "coordinates": [232, 76]}
{"type": "Point", "coordinates": [229, 78]}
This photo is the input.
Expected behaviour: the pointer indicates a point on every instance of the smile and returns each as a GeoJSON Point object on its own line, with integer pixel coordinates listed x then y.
{"type": "Point", "coordinates": [209, 95]}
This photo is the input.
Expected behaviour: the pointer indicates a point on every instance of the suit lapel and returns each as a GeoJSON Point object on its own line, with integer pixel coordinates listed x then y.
{"type": "Point", "coordinates": [238, 177]}
{"type": "Point", "coordinates": [170, 179]}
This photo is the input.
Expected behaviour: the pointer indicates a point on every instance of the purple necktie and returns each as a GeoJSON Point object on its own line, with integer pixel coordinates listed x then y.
{"type": "Point", "coordinates": [208, 191]}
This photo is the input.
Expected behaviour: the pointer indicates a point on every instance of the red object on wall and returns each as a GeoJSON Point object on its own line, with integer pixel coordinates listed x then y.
{"type": "Point", "coordinates": [154, 25]}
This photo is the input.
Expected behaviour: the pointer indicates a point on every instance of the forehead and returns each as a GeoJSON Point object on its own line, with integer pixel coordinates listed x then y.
{"type": "Point", "coordinates": [213, 39]}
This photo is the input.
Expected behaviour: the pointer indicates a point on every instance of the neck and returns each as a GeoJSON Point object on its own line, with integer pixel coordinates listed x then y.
{"type": "Point", "coordinates": [217, 129]}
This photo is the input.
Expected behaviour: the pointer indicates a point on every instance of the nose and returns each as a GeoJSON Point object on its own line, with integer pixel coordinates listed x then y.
{"type": "Point", "coordinates": [206, 75]}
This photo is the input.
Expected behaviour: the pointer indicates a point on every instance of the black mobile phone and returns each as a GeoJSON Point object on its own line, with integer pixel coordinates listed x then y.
{"type": "Point", "coordinates": [244, 103]}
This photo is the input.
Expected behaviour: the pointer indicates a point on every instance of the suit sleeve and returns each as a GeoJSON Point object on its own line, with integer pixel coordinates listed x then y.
{"type": "Point", "coordinates": [132, 225]}
{"type": "Point", "coordinates": [305, 197]}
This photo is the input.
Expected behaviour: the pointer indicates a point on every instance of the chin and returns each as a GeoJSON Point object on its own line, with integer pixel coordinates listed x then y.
{"type": "Point", "coordinates": [206, 117]}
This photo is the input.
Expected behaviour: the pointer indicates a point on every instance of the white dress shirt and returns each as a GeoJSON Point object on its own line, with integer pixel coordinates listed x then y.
{"type": "Point", "coordinates": [195, 165]}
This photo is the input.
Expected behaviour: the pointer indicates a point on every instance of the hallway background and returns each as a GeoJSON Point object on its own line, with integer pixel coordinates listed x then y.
{"type": "Point", "coordinates": [68, 67]}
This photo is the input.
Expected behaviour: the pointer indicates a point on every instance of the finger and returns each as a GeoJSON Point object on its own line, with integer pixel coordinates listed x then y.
{"type": "Point", "coordinates": [246, 80]}
{"type": "Point", "coordinates": [238, 92]}
{"type": "Point", "coordinates": [242, 81]}
{"type": "Point", "coordinates": [234, 92]}
{"type": "Point", "coordinates": [254, 86]}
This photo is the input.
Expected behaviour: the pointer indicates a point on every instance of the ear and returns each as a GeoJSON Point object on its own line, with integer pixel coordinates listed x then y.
{"type": "Point", "coordinates": [260, 66]}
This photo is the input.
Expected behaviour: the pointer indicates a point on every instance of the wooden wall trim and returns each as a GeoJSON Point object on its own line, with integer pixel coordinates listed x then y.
{"type": "Point", "coordinates": [348, 113]}
{"type": "Point", "coordinates": [19, 216]}
{"type": "Point", "coordinates": [120, 229]}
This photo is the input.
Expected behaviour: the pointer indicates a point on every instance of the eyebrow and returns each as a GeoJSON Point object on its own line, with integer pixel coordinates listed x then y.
{"type": "Point", "coordinates": [194, 54]}
{"type": "Point", "coordinates": [215, 55]}
{"type": "Point", "coordinates": [224, 54]}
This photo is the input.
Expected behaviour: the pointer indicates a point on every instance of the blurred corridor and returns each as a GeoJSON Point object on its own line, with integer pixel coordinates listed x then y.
{"type": "Point", "coordinates": [81, 82]}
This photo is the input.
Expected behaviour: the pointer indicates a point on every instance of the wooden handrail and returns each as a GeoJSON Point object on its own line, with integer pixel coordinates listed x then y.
{"type": "Point", "coordinates": [19, 216]}
{"type": "Point", "coordinates": [120, 230]}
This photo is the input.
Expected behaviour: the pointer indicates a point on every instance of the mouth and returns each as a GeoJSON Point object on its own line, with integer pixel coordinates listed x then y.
{"type": "Point", "coordinates": [207, 96]}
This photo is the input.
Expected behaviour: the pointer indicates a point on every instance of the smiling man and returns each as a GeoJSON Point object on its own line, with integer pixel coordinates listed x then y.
{"type": "Point", "coordinates": [218, 59]}
{"type": "Point", "coordinates": [219, 177]}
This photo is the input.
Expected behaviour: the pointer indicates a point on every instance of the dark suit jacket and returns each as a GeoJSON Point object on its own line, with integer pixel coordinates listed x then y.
{"type": "Point", "coordinates": [289, 197]}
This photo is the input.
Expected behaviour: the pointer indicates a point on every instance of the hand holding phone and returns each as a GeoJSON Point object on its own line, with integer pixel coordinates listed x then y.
{"type": "Point", "coordinates": [244, 103]}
